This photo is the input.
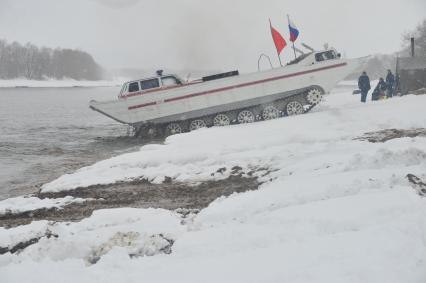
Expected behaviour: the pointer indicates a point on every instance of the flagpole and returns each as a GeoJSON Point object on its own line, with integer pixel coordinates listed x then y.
{"type": "Point", "coordinates": [294, 50]}
{"type": "Point", "coordinates": [278, 54]}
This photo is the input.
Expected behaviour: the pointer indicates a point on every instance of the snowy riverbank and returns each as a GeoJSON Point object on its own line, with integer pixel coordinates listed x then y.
{"type": "Point", "coordinates": [332, 207]}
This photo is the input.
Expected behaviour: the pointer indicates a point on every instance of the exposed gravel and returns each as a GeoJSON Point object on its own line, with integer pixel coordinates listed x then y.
{"type": "Point", "coordinates": [389, 134]}
{"type": "Point", "coordinates": [138, 194]}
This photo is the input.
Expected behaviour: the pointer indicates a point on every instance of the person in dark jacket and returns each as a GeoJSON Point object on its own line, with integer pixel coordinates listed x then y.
{"type": "Point", "coordinates": [364, 86]}
{"type": "Point", "coordinates": [379, 90]}
{"type": "Point", "coordinates": [390, 82]}
{"type": "Point", "coordinates": [382, 84]}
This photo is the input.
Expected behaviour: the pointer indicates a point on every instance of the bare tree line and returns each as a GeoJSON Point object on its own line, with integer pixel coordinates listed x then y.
{"type": "Point", "coordinates": [420, 36]}
{"type": "Point", "coordinates": [31, 62]}
{"type": "Point", "coordinates": [377, 65]}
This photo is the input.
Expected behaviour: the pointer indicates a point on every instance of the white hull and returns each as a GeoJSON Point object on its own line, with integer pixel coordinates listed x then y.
{"type": "Point", "coordinates": [204, 98]}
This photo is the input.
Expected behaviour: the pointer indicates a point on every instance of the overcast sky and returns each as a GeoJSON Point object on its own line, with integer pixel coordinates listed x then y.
{"type": "Point", "coordinates": [213, 34]}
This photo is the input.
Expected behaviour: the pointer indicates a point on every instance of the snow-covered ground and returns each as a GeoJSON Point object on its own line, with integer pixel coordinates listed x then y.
{"type": "Point", "coordinates": [60, 83]}
{"type": "Point", "coordinates": [332, 208]}
{"type": "Point", "coordinates": [23, 204]}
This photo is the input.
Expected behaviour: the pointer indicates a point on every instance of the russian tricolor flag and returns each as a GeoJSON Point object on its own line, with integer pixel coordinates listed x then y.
{"type": "Point", "coordinates": [294, 31]}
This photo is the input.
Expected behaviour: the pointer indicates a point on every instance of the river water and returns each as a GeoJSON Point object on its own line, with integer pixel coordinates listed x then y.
{"type": "Point", "coordinates": [47, 132]}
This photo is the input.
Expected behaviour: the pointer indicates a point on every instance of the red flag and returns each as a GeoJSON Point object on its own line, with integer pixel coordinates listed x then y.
{"type": "Point", "coordinates": [279, 40]}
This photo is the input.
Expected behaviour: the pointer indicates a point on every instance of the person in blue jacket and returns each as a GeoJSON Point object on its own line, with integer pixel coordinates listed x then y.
{"type": "Point", "coordinates": [390, 83]}
{"type": "Point", "coordinates": [379, 90]}
{"type": "Point", "coordinates": [364, 86]}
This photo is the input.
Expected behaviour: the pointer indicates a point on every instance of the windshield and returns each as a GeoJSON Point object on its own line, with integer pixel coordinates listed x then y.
{"type": "Point", "coordinates": [327, 55]}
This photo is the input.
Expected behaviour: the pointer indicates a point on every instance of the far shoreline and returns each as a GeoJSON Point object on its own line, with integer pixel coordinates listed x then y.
{"type": "Point", "coordinates": [67, 83]}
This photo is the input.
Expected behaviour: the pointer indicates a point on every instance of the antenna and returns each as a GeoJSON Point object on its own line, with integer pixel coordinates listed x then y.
{"type": "Point", "coordinates": [299, 51]}
{"type": "Point", "coordinates": [308, 47]}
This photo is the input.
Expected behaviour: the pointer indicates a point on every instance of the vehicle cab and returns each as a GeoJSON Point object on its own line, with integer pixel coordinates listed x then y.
{"type": "Point", "coordinates": [140, 86]}
{"type": "Point", "coordinates": [317, 57]}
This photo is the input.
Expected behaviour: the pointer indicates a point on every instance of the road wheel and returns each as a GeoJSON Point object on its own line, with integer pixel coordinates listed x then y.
{"type": "Point", "coordinates": [151, 132]}
{"type": "Point", "coordinates": [173, 129]}
{"type": "Point", "coordinates": [245, 116]}
{"type": "Point", "coordinates": [197, 124]}
{"type": "Point", "coordinates": [294, 107]}
{"type": "Point", "coordinates": [270, 112]}
{"type": "Point", "coordinates": [221, 120]}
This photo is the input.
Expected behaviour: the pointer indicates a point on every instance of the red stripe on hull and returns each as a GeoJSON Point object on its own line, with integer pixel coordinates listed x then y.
{"type": "Point", "coordinates": [142, 105]}
{"type": "Point", "coordinates": [239, 85]}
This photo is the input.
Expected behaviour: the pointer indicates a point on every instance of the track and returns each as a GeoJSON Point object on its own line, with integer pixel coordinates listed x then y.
{"type": "Point", "coordinates": [293, 105]}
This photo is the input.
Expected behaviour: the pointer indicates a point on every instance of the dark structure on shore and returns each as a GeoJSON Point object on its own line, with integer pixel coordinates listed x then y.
{"type": "Point", "coordinates": [411, 72]}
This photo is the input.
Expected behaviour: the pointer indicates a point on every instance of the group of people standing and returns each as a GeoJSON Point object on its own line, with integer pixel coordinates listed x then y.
{"type": "Point", "coordinates": [384, 89]}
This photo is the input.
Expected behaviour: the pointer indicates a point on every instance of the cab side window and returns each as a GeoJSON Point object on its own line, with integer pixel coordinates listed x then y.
{"type": "Point", "coordinates": [323, 56]}
{"type": "Point", "coordinates": [148, 84]}
{"type": "Point", "coordinates": [133, 87]}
